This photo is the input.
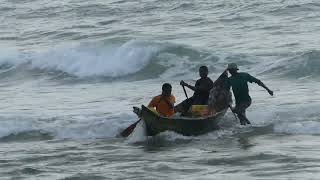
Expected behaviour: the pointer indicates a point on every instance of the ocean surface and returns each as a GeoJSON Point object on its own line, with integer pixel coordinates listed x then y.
{"type": "Point", "coordinates": [71, 70]}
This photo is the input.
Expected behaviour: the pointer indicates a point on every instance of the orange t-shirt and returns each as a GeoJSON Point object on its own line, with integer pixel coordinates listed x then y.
{"type": "Point", "coordinates": [162, 106]}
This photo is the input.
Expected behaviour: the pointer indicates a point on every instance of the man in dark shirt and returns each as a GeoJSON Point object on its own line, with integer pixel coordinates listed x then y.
{"type": "Point", "coordinates": [239, 83]}
{"type": "Point", "coordinates": [201, 89]}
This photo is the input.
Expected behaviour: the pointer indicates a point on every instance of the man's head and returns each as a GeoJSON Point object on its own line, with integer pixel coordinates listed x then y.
{"type": "Point", "coordinates": [203, 71]}
{"type": "Point", "coordinates": [232, 68]}
{"type": "Point", "coordinates": [166, 89]}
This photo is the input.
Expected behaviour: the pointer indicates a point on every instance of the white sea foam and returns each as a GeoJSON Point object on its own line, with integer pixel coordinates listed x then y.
{"type": "Point", "coordinates": [83, 61]}
{"type": "Point", "coordinates": [12, 56]}
{"type": "Point", "coordinates": [138, 134]}
{"type": "Point", "coordinates": [306, 127]}
{"type": "Point", "coordinates": [15, 126]}
{"type": "Point", "coordinates": [75, 127]}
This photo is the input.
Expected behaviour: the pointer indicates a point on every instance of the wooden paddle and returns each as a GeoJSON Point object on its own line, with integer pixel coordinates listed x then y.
{"type": "Point", "coordinates": [129, 130]}
{"type": "Point", "coordinates": [185, 92]}
{"type": "Point", "coordinates": [235, 116]}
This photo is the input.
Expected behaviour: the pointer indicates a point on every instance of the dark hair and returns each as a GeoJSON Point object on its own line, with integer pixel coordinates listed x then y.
{"type": "Point", "coordinates": [204, 68]}
{"type": "Point", "coordinates": [166, 86]}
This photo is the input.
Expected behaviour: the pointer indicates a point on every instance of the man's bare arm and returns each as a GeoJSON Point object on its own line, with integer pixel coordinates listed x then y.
{"type": "Point", "coordinates": [260, 83]}
{"type": "Point", "coordinates": [182, 83]}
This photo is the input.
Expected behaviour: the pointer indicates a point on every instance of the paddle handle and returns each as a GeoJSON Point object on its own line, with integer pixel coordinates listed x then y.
{"type": "Point", "coordinates": [185, 92]}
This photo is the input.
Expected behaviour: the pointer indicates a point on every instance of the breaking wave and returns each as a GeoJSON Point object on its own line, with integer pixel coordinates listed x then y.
{"type": "Point", "coordinates": [74, 127]}
{"type": "Point", "coordinates": [295, 65]}
{"type": "Point", "coordinates": [139, 60]}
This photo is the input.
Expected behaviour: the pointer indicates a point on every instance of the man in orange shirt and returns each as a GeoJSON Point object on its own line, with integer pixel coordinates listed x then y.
{"type": "Point", "coordinates": [164, 103]}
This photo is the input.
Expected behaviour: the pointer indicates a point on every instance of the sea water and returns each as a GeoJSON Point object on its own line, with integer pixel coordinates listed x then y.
{"type": "Point", "coordinates": [70, 72]}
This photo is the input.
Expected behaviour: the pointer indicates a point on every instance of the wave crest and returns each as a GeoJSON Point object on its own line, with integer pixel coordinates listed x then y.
{"type": "Point", "coordinates": [134, 60]}
{"type": "Point", "coordinates": [110, 61]}
{"type": "Point", "coordinates": [298, 65]}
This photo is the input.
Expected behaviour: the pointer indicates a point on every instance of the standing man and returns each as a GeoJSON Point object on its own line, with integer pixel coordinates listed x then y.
{"type": "Point", "coordinates": [201, 91]}
{"type": "Point", "coordinates": [239, 83]}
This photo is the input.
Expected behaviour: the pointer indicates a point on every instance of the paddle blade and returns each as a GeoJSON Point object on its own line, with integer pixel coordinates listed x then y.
{"type": "Point", "coordinates": [129, 130]}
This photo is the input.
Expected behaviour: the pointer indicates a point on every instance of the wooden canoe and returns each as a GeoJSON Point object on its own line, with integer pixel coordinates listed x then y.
{"type": "Point", "coordinates": [188, 126]}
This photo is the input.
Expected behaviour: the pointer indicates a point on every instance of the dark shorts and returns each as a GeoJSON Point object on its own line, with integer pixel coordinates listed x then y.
{"type": "Point", "coordinates": [241, 107]}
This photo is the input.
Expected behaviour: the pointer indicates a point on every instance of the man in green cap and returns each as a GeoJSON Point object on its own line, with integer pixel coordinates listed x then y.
{"type": "Point", "coordinates": [239, 83]}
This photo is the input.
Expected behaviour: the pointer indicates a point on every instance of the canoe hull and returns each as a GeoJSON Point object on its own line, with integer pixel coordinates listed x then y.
{"type": "Point", "coordinates": [186, 126]}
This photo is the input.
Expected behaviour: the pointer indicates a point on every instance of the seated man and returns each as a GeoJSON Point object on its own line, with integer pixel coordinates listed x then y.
{"type": "Point", "coordinates": [201, 91]}
{"type": "Point", "coordinates": [164, 103]}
